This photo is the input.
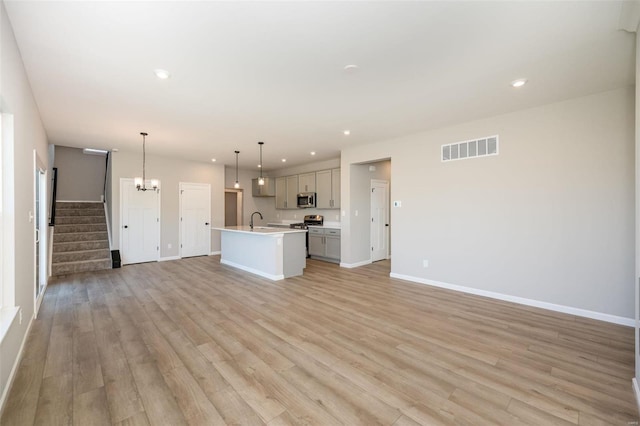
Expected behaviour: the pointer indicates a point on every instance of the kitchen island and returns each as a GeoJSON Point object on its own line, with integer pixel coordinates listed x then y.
{"type": "Point", "coordinates": [273, 253]}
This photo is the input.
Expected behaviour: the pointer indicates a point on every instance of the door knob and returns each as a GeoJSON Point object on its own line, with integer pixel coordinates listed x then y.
{"type": "Point", "coordinates": [206, 223]}
{"type": "Point", "coordinates": [126, 226]}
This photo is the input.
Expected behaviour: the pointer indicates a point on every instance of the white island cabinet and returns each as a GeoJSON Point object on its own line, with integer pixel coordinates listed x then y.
{"type": "Point", "coordinates": [274, 253]}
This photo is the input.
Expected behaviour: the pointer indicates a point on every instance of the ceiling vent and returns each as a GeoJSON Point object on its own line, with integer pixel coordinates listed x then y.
{"type": "Point", "coordinates": [475, 148]}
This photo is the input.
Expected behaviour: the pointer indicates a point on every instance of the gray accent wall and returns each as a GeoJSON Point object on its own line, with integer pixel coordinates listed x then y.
{"type": "Point", "coordinates": [550, 219]}
{"type": "Point", "coordinates": [170, 172]}
{"type": "Point", "coordinates": [81, 177]}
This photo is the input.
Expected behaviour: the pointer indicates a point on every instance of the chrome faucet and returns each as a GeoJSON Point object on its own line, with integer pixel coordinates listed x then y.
{"type": "Point", "coordinates": [251, 221]}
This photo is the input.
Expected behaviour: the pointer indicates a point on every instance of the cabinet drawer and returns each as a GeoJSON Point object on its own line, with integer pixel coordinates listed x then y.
{"type": "Point", "coordinates": [317, 231]}
{"type": "Point", "coordinates": [332, 232]}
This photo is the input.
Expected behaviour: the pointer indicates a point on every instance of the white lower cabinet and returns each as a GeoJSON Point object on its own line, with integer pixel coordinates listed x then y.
{"type": "Point", "coordinates": [324, 244]}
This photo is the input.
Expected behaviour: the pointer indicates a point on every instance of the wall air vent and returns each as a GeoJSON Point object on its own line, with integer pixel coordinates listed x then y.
{"type": "Point", "coordinates": [475, 148]}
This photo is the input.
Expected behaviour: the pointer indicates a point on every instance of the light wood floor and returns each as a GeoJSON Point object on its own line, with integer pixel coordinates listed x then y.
{"type": "Point", "coordinates": [194, 342]}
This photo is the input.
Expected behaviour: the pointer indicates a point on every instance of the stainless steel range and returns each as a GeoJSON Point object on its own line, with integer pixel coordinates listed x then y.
{"type": "Point", "coordinates": [312, 219]}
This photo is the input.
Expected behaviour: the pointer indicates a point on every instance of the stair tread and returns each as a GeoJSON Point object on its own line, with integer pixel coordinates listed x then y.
{"type": "Point", "coordinates": [82, 261]}
{"type": "Point", "coordinates": [73, 215]}
{"type": "Point", "coordinates": [76, 242]}
{"type": "Point", "coordinates": [85, 251]}
{"type": "Point", "coordinates": [85, 232]}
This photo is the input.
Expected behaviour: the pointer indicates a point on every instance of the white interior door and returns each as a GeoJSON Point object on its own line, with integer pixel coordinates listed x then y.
{"type": "Point", "coordinates": [41, 227]}
{"type": "Point", "coordinates": [195, 219]}
{"type": "Point", "coordinates": [379, 220]}
{"type": "Point", "coordinates": [140, 224]}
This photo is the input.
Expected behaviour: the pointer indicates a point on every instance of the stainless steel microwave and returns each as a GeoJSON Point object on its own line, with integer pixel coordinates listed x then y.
{"type": "Point", "coordinates": [306, 200]}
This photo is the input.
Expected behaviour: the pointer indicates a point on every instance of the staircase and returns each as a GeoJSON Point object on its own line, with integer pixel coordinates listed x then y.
{"type": "Point", "coordinates": [80, 241]}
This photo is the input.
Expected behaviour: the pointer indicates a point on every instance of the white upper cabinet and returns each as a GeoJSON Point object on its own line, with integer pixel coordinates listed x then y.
{"type": "Point", "coordinates": [281, 193]}
{"type": "Point", "coordinates": [307, 182]}
{"type": "Point", "coordinates": [335, 188]}
{"type": "Point", "coordinates": [287, 192]}
{"type": "Point", "coordinates": [292, 192]}
{"type": "Point", "coordinates": [325, 183]}
{"type": "Point", "coordinates": [328, 189]}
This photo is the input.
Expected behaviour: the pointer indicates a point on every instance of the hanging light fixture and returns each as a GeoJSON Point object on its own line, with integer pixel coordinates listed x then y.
{"type": "Point", "coordinates": [140, 182]}
{"type": "Point", "coordinates": [237, 184]}
{"type": "Point", "coordinates": [261, 179]}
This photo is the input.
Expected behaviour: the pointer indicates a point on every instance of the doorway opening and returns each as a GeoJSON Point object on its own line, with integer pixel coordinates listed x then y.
{"type": "Point", "coordinates": [233, 207]}
{"type": "Point", "coordinates": [370, 184]}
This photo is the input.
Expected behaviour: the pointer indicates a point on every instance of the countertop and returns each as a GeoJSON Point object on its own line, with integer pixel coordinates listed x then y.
{"type": "Point", "coordinates": [264, 230]}
{"type": "Point", "coordinates": [327, 225]}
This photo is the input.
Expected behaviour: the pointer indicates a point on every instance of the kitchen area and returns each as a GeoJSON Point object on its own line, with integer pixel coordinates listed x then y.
{"type": "Point", "coordinates": [308, 197]}
{"type": "Point", "coordinates": [294, 215]}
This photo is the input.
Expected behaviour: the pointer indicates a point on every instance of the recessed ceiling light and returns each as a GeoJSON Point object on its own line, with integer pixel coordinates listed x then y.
{"type": "Point", "coordinates": [162, 74]}
{"type": "Point", "coordinates": [351, 68]}
{"type": "Point", "coordinates": [519, 82]}
{"type": "Point", "coordinates": [259, 166]}
{"type": "Point", "coordinates": [213, 159]}
{"type": "Point", "coordinates": [313, 153]}
{"type": "Point", "coordinates": [284, 160]}
{"type": "Point", "coordinates": [347, 132]}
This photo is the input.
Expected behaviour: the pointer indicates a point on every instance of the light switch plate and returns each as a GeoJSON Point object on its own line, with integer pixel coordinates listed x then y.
{"type": "Point", "coordinates": [397, 204]}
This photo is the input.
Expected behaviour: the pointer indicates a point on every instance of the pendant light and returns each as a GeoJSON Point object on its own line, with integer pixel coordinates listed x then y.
{"type": "Point", "coordinates": [237, 184]}
{"type": "Point", "coordinates": [140, 182]}
{"type": "Point", "coordinates": [261, 179]}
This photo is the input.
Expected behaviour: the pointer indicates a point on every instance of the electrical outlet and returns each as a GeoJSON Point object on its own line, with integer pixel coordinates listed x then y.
{"type": "Point", "coordinates": [356, 213]}
{"type": "Point", "coordinates": [337, 217]}
{"type": "Point", "coordinates": [169, 245]}
{"type": "Point", "coordinates": [344, 213]}
{"type": "Point", "coordinates": [425, 263]}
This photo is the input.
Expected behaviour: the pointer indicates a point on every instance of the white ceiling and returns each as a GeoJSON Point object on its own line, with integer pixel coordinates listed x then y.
{"type": "Point", "coordinates": [244, 72]}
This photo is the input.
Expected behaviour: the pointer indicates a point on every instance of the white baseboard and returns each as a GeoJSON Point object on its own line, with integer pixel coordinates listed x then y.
{"type": "Point", "coordinates": [355, 265]}
{"type": "Point", "coordinates": [521, 300]}
{"type": "Point", "coordinates": [215, 253]}
{"type": "Point", "coordinates": [636, 391]}
{"type": "Point", "coordinates": [253, 271]}
{"type": "Point", "coordinates": [14, 368]}
{"type": "Point", "coordinates": [164, 259]}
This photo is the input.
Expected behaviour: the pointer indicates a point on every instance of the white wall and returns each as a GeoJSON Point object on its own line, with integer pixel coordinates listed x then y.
{"type": "Point", "coordinates": [80, 176]}
{"type": "Point", "coordinates": [637, 215]}
{"type": "Point", "coordinates": [170, 172]}
{"type": "Point", "coordinates": [550, 219]}
{"type": "Point", "coordinates": [16, 98]}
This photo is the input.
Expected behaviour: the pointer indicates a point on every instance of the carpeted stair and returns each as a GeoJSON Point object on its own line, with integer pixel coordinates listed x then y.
{"type": "Point", "coordinates": [80, 241]}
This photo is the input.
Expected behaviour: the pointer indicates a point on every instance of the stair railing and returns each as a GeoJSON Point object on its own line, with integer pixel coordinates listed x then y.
{"type": "Point", "coordinates": [54, 190]}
